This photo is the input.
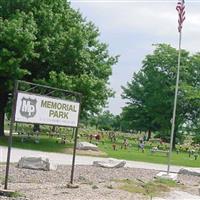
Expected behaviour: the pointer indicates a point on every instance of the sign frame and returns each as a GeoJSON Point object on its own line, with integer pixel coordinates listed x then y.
{"type": "Point", "coordinates": [32, 86]}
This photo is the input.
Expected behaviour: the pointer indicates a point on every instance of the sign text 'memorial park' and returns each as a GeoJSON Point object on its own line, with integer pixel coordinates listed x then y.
{"type": "Point", "coordinates": [32, 108]}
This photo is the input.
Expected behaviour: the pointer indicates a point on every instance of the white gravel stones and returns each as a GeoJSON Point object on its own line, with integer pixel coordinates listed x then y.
{"type": "Point", "coordinates": [179, 195]}
{"type": "Point", "coordinates": [52, 185]}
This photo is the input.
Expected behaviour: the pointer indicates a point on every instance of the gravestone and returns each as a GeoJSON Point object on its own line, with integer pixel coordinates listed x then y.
{"type": "Point", "coordinates": [192, 172]}
{"type": "Point", "coordinates": [37, 163]}
{"type": "Point", "coordinates": [110, 163]}
{"type": "Point", "coordinates": [86, 146]}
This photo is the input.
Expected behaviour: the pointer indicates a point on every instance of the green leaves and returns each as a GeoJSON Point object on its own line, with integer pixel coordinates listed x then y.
{"type": "Point", "coordinates": [150, 94]}
{"type": "Point", "coordinates": [47, 41]}
{"type": "Point", "coordinates": [17, 42]}
{"type": "Point", "coordinates": [95, 91]}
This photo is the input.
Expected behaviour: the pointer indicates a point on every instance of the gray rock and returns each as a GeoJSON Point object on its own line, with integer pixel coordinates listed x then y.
{"type": "Point", "coordinates": [37, 163]}
{"type": "Point", "coordinates": [189, 172]}
{"type": "Point", "coordinates": [86, 146]}
{"type": "Point", "coordinates": [110, 163]}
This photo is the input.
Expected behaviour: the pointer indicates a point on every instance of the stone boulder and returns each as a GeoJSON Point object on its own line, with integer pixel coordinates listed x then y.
{"type": "Point", "coordinates": [110, 163]}
{"type": "Point", "coordinates": [191, 172]}
{"type": "Point", "coordinates": [86, 146]}
{"type": "Point", "coordinates": [37, 163]}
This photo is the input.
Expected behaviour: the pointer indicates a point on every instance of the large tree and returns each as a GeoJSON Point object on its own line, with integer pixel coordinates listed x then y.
{"type": "Point", "coordinates": [150, 94]}
{"type": "Point", "coordinates": [49, 42]}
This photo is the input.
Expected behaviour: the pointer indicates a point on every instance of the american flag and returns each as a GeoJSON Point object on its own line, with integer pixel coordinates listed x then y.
{"type": "Point", "coordinates": [181, 13]}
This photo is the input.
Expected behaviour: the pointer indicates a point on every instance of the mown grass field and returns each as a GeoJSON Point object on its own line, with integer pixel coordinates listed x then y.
{"type": "Point", "coordinates": [131, 153]}
{"type": "Point", "coordinates": [46, 144]}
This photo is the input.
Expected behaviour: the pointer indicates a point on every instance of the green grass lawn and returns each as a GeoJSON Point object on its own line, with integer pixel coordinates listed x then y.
{"type": "Point", "coordinates": [46, 144]}
{"type": "Point", "coordinates": [49, 145]}
{"type": "Point", "coordinates": [132, 153]}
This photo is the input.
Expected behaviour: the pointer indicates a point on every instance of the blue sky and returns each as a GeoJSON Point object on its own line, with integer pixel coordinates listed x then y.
{"type": "Point", "coordinates": [131, 27]}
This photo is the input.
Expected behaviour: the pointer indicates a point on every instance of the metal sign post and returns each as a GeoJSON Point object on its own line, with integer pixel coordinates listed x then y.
{"type": "Point", "coordinates": [74, 150]}
{"type": "Point", "coordinates": [73, 158]}
{"type": "Point", "coordinates": [10, 135]}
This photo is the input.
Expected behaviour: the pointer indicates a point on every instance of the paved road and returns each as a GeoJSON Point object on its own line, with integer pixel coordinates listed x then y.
{"type": "Point", "coordinates": [66, 159]}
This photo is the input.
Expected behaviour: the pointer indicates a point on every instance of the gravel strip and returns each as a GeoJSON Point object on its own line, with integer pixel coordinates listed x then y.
{"type": "Point", "coordinates": [93, 183]}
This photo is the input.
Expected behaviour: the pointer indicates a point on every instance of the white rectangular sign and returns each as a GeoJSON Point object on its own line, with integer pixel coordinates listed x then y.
{"type": "Point", "coordinates": [33, 108]}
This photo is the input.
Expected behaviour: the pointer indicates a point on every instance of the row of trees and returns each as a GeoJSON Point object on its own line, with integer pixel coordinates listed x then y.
{"type": "Point", "coordinates": [107, 121]}
{"type": "Point", "coordinates": [47, 41]}
{"type": "Point", "coordinates": [150, 97]}
{"type": "Point", "coordinates": [150, 94]}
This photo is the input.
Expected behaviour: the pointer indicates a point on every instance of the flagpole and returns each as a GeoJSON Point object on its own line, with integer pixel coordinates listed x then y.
{"type": "Point", "coordinates": [175, 104]}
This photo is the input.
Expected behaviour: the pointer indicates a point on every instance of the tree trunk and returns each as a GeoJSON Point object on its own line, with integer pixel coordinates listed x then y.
{"type": "Point", "coordinates": [2, 114]}
{"type": "Point", "coordinates": [3, 102]}
{"type": "Point", "coordinates": [174, 139]}
{"type": "Point", "coordinates": [54, 129]}
{"type": "Point", "coordinates": [149, 135]}
{"type": "Point", "coordinates": [36, 128]}
{"type": "Point", "coordinates": [73, 133]}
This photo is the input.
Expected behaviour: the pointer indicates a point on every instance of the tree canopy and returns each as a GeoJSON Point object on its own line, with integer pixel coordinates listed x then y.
{"type": "Point", "coordinates": [105, 121]}
{"type": "Point", "coordinates": [150, 93]}
{"type": "Point", "coordinates": [47, 41]}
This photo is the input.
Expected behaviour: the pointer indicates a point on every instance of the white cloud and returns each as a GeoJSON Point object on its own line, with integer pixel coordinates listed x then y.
{"type": "Point", "coordinates": [130, 28]}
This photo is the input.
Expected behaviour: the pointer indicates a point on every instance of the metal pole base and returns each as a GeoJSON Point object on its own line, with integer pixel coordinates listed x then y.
{"type": "Point", "coordinates": [72, 186]}
{"type": "Point", "coordinates": [7, 193]}
{"type": "Point", "coordinates": [165, 175]}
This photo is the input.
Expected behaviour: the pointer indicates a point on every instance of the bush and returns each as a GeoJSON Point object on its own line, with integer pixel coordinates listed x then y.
{"type": "Point", "coordinates": [196, 139]}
